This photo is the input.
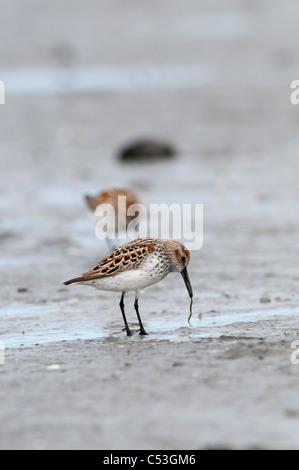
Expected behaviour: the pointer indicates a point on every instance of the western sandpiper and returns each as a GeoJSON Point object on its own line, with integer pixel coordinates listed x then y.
{"type": "Point", "coordinates": [115, 197]}
{"type": "Point", "coordinates": [136, 265]}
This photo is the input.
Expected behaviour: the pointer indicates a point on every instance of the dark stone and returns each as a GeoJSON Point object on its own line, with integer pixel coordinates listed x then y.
{"type": "Point", "coordinates": [146, 150]}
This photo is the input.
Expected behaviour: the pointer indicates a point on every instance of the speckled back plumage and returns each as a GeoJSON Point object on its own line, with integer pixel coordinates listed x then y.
{"type": "Point", "coordinates": [128, 257]}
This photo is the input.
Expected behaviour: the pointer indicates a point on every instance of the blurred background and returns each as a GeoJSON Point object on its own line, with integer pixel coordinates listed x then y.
{"type": "Point", "coordinates": [83, 80]}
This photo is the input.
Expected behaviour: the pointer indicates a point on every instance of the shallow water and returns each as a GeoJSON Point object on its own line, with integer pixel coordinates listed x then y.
{"type": "Point", "coordinates": [161, 327]}
{"type": "Point", "coordinates": [102, 78]}
{"type": "Point", "coordinates": [77, 79]}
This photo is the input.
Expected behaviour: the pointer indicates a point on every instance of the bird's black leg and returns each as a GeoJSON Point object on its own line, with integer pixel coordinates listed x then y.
{"type": "Point", "coordinates": [122, 307]}
{"type": "Point", "coordinates": [142, 330]}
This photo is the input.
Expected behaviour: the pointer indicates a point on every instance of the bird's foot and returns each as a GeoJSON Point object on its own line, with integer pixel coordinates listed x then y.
{"type": "Point", "coordinates": [142, 332]}
{"type": "Point", "coordinates": [129, 332]}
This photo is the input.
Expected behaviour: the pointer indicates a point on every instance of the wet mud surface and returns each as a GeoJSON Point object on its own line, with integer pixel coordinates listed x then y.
{"type": "Point", "coordinates": [71, 377]}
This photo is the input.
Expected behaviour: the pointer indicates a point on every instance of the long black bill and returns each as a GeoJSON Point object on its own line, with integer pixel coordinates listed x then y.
{"type": "Point", "coordinates": [185, 276]}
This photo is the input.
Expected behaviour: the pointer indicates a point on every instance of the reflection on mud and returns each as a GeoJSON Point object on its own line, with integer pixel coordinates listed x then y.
{"type": "Point", "coordinates": [161, 327]}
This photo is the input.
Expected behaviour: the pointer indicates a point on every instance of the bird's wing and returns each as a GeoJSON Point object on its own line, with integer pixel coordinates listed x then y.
{"type": "Point", "coordinates": [128, 256]}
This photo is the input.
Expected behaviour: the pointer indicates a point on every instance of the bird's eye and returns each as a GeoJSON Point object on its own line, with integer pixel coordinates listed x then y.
{"type": "Point", "coordinates": [183, 258]}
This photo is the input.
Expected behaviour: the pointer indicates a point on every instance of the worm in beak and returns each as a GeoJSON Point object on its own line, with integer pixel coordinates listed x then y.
{"type": "Point", "coordinates": [185, 276]}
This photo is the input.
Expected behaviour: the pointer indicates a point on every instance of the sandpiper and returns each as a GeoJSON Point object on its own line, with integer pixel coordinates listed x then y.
{"type": "Point", "coordinates": [114, 197]}
{"type": "Point", "coordinates": [136, 265]}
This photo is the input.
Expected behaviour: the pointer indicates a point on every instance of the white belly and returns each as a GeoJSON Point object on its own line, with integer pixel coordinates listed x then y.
{"type": "Point", "coordinates": [125, 281]}
{"type": "Point", "coordinates": [151, 272]}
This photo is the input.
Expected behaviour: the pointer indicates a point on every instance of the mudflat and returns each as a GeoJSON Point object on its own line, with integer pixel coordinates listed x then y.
{"type": "Point", "coordinates": [214, 82]}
